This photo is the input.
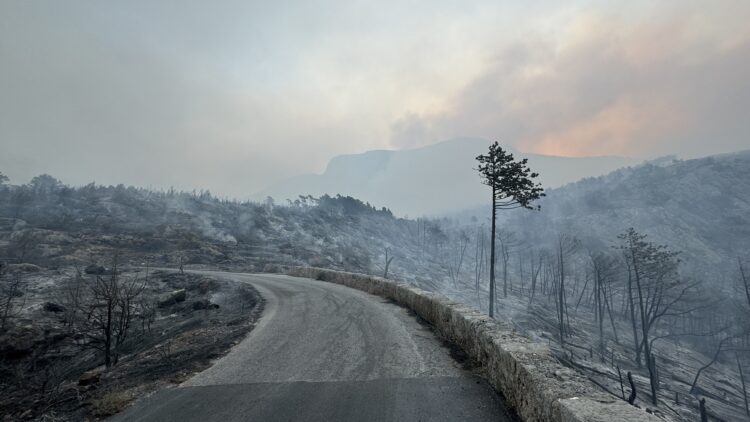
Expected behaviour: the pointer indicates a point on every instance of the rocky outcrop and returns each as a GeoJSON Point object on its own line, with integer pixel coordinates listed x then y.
{"type": "Point", "coordinates": [172, 298]}
{"type": "Point", "coordinates": [533, 382]}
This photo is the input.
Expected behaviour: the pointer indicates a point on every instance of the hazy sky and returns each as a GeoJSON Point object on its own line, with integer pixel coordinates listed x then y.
{"type": "Point", "coordinates": [234, 95]}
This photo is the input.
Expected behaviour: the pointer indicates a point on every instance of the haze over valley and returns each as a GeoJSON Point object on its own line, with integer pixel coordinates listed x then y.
{"type": "Point", "coordinates": [442, 174]}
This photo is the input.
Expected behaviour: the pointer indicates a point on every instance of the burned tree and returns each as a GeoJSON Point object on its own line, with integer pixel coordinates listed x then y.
{"type": "Point", "coordinates": [744, 281]}
{"type": "Point", "coordinates": [513, 186]}
{"type": "Point", "coordinates": [479, 260]}
{"type": "Point", "coordinates": [604, 267]}
{"type": "Point", "coordinates": [742, 382]}
{"type": "Point", "coordinates": [535, 270]}
{"type": "Point", "coordinates": [109, 311]}
{"type": "Point", "coordinates": [655, 292]}
{"type": "Point", "coordinates": [507, 242]}
{"type": "Point", "coordinates": [720, 347]}
{"type": "Point", "coordinates": [457, 258]}
{"type": "Point", "coordinates": [71, 293]}
{"type": "Point", "coordinates": [566, 246]}
{"type": "Point", "coordinates": [388, 258]}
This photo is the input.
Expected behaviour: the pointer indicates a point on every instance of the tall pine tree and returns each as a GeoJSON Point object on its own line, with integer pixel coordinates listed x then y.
{"type": "Point", "coordinates": [513, 186]}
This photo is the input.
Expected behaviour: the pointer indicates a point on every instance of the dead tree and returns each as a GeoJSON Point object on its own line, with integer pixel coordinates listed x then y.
{"type": "Point", "coordinates": [631, 307]}
{"type": "Point", "coordinates": [479, 260]}
{"type": "Point", "coordinates": [742, 381]}
{"type": "Point", "coordinates": [513, 186]}
{"type": "Point", "coordinates": [744, 280]}
{"type": "Point", "coordinates": [604, 267]}
{"type": "Point", "coordinates": [72, 292]}
{"type": "Point", "coordinates": [100, 314]}
{"type": "Point", "coordinates": [129, 292]}
{"type": "Point", "coordinates": [719, 349]}
{"type": "Point", "coordinates": [652, 272]}
{"type": "Point", "coordinates": [566, 246]}
{"type": "Point", "coordinates": [521, 279]}
{"type": "Point", "coordinates": [388, 259]}
{"type": "Point", "coordinates": [507, 243]}
{"type": "Point", "coordinates": [456, 261]}
{"type": "Point", "coordinates": [108, 312]}
{"type": "Point", "coordinates": [146, 307]}
{"type": "Point", "coordinates": [702, 407]}
{"type": "Point", "coordinates": [534, 275]}
{"type": "Point", "coordinates": [633, 393]}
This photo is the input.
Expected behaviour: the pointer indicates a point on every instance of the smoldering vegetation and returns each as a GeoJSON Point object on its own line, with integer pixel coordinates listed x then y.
{"type": "Point", "coordinates": [81, 344]}
{"type": "Point", "coordinates": [666, 302]}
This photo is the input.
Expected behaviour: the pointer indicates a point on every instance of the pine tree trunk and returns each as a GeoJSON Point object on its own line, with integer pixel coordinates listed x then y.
{"type": "Point", "coordinates": [492, 257]}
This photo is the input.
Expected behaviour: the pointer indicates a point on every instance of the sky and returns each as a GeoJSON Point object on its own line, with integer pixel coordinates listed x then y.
{"type": "Point", "coordinates": [233, 96]}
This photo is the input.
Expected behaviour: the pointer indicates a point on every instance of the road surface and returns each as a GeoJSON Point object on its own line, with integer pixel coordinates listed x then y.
{"type": "Point", "coordinates": [325, 352]}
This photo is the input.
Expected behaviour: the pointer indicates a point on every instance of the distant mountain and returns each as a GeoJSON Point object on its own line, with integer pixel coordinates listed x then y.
{"type": "Point", "coordinates": [432, 180]}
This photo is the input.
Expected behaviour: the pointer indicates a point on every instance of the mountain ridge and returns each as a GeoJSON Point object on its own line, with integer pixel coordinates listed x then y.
{"type": "Point", "coordinates": [442, 174]}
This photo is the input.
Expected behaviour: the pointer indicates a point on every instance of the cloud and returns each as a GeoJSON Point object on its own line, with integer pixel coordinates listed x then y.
{"type": "Point", "coordinates": [411, 131]}
{"type": "Point", "coordinates": [233, 95]}
{"type": "Point", "coordinates": [608, 85]}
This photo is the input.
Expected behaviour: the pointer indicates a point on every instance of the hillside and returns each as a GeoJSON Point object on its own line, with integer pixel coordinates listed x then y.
{"type": "Point", "coordinates": [50, 224]}
{"type": "Point", "coordinates": [700, 206]}
{"type": "Point", "coordinates": [432, 180]}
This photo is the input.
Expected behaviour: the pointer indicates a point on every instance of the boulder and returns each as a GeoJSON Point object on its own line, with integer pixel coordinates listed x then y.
{"type": "Point", "coordinates": [204, 304]}
{"type": "Point", "coordinates": [53, 307]}
{"type": "Point", "coordinates": [95, 269]}
{"type": "Point", "coordinates": [89, 378]}
{"type": "Point", "coordinates": [19, 341]}
{"type": "Point", "coordinates": [172, 298]}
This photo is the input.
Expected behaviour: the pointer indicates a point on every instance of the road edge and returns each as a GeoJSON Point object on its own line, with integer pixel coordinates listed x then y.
{"type": "Point", "coordinates": [533, 382]}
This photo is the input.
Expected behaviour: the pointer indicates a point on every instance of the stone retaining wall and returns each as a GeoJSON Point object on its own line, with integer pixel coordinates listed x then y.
{"type": "Point", "coordinates": [533, 382]}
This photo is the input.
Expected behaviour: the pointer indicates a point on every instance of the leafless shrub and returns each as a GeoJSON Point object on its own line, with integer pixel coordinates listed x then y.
{"type": "Point", "coordinates": [108, 311]}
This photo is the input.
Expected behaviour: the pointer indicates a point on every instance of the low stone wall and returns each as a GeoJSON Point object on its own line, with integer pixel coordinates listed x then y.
{"type": "Point", "coordinates": [533, 382]}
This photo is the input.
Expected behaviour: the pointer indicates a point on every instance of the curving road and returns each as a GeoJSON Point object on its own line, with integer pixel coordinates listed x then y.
{"type": "Point", "coordinates": [325, 352]}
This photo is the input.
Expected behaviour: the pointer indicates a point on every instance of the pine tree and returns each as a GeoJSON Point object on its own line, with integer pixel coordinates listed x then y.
{"type": "Point", "coordinates": [512, 187]}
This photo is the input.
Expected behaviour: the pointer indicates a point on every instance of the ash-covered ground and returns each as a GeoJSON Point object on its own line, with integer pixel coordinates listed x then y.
{"type": "Point", "coordinates": [51, 346]}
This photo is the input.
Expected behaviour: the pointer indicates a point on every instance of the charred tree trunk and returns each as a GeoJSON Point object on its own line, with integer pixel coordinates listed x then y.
{"type": "Point", "coordinates": [744, 281]}
{"type": "Point", "coordinates": [561, 294]}
{"type": "Point", "coordinates": [742, 381]}
{"type": "Point", "coordinates": [478, 261]}
{"type": "Point", "coordinates": [633, 393]}
{"type": "Point", "coordinates": [631, 305]}
{"type": "Point", "coordinates": [388, 260]}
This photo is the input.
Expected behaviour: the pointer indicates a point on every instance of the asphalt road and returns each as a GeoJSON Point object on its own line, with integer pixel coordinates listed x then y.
{"type": "Point", "coordinates": [324, 352]}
